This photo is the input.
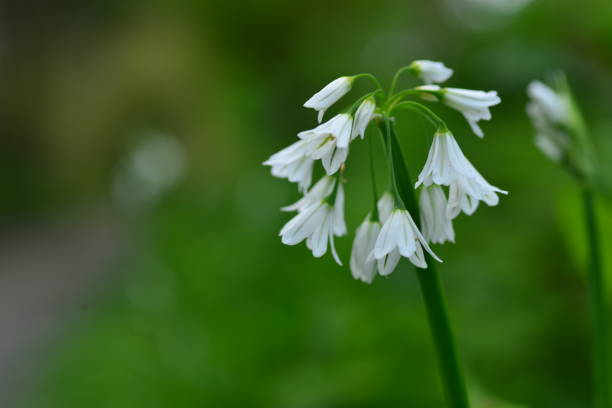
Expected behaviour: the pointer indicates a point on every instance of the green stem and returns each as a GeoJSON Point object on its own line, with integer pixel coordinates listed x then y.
{"type": "Point", "coordinates": [371, 77]}
{"type": "Point", "coordinates": [396, 77]}
{"type": "Point", "coordinates": [375, 216]}
{"type": "Point", "coordinates": [433, 294]}
{"type": "Point", "coordinates": [399, 201]}
{"type": "Point", "coordinates": [598, 303]}
{"type": "Point", "coordinates": [424, 111]}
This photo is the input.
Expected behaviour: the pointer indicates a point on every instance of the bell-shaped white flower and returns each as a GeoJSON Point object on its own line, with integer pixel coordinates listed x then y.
{"type": "Point", "coordinates": [446, 165]}
{"type": "Point", "coordinates": [329, 141]}
{"type": "Point", "coordinates": [400, 236]}
{"type": "Point", "coordinates": [363, 116]}
{"type": "Point", "coordinates": [317, 223]}
{"type": "Point", "coordinates": [322, 147]}
{"type": "Point", "coordinates": [549, 113]}
{"type": "Point", "coordinates": [473, 105]}
{"type": "Point", "coordinates": [436, 224]}
{"type": "Point", "coordinates": [362, 267]}
{"type": "Point", "coordinates": [330, 94]}
{"type": "Point", "coordinates": [322, 189]}
{"type": "Point", "coordinates": [430, 72]}
{"type": "Point", "coordinates": [385, 205]}
{"type": "Point", "coordinates": [465, 193]}
{"type": "Point", "coordinates": [339, 127]}
{"type": "Point", "coordinates": [293, 163]}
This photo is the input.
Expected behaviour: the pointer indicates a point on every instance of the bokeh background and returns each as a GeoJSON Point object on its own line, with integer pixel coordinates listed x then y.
{"type": "Point", "coordinates": [139, 259]}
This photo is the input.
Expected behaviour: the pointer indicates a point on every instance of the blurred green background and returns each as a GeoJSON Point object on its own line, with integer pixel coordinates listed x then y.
{"type": "Point", "coordinates": [139, 259]}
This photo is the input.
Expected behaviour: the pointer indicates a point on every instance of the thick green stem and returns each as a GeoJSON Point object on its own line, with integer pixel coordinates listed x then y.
{"type": "Point", "coordinates": [598, 304]}
{"type": "Point", "coordinates": [433, 294]}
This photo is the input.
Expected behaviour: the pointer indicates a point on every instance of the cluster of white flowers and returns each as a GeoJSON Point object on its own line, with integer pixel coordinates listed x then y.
{"type": "Point", "coordinates": [389, 232]}
{"type": "Point", "coordinates": [549, 113]}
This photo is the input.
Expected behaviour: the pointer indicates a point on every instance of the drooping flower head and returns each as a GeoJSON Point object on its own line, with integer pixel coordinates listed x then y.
{"type": "Point", "coordinates": [448, 184]}
{"type": "Point", "coordinates": [322, 189]}
{"type": "Point", "coordinates": [430, 72]}
{"type": "Point", "coordinates": [473, 105]}
{"type": "Point", "coordinates": [436, 224]}
{"type": "Point", "coordinates": [446, 165]}
{"type": "Point", "coordinates": [363, 267]}
{"type": "Point", "coordinates": [561, 133]}
{"type": "Point", "coordinates": [363, 116]}
{"type": "Point", "coordinates": [317, 223]}
{"type": "Point", "coordinates": [293, 163]}
{"type": "Point", "coordinates": [549, 113]}
{"type": "Point", "coordinates": [400, 236]}
{"type": "Point", "coordinates": [330, 94]}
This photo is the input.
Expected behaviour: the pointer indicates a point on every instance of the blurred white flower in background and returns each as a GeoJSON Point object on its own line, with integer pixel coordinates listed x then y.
{"type": "Point", "coordinates": [482, 15]}
{"type": "Point", "coordinates": [151, 168]}
{"type": "Point", "coordinates": [549, 113]}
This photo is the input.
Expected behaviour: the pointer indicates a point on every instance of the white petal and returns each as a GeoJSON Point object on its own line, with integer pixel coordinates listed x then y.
{"type": "Point", "coordinates": [405, 236]}
{"type": "Point", "coordinates": [387, 264]}
{"type": "Point", "coordinates": [418, 258]}
{"type": "Point", "coordinates": [385, 205]}
{"type": "Point", "coordinates": [431, 71]}
{"type": "Point", "coordinates": [365, 239]}
{"type": "Point", "coordinates": [387, 239]}
{"type": "Point", "coordinates": [329, 95]}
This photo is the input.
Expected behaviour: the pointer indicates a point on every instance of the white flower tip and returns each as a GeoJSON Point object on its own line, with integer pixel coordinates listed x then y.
{"type": "Point", "coordinates": [431, 71]}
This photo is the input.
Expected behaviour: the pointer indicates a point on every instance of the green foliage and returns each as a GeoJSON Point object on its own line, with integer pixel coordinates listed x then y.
{"type": "Point", "coordinates": [205, 306]}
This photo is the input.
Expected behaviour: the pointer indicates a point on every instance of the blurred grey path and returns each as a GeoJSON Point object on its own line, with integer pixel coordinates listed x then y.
{"type": "Point", "coordinates": [46, 273]}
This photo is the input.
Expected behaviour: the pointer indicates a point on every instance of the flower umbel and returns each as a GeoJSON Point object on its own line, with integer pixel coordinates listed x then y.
{"type": "Point", "coordinates": [449, 184]}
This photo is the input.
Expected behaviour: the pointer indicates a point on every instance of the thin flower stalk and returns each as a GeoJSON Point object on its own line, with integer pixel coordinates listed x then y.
{"type": "Point", "coordinates": [562, 136]}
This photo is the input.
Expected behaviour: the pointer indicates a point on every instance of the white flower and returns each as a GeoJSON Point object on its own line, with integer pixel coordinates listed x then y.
{"type": "Point", "coordinates": [323, 147]}
{"type": "Point", "coordinates": [329, 95]}
{"type": "Point", "coordinates": [446, 165]}
{"type": "Point", "coordinates": [400, 236]}
{"type": "Point", "coordinates": [385, 205]}
{"type": "Point", "coordinates": [465, 193]}
{"type": "Point", "coordinates": [329, 141]}
{"type": "Point", "coordinates": [431, 71]}
{"type": "Point", "coordinates": [293, 163]}
{"type": "Point", "coordinates": [322, 189]}
{"type": "Point", "coordinates": [549, 113]}
{"type": "Point", "coordinates": [553, 105]}
{"type": "Point", "coordinates": [436, 224]}
{"type": "Point", "coordinates": [339, 127]}
{"type": "Point", "coordinates": [474, 105]}
{"type": "Point", "coordinates": [363, 115]}
{"type": "Point", "coordinates": [363, 267]}
{"type": "Point", "coordinates": [317, 223]}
